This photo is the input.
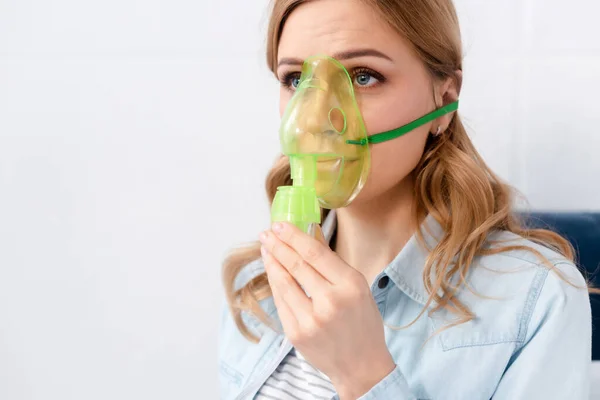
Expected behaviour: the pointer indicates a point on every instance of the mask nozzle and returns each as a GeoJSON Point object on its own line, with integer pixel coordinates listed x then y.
{"type": "Point", "coordinates": [303, 170]}
{"type": "Point", "coordinates": [298, 204]}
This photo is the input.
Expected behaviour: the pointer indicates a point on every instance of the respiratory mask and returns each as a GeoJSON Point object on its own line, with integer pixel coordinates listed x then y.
{"type": "Point", "coordinates": [323, 134]}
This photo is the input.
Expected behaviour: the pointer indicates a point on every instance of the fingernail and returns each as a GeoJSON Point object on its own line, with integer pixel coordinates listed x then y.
{"type": "Point", "coordinates": [262, 237]}
{"type": "Point", "coordinates": [263, 251]}
{"type": "Point", "coordinates": [277, 227]}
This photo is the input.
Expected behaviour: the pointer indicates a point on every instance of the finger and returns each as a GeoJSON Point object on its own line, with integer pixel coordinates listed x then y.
{"type": "Point", "coordinates": [287, 288]}
{"type": "Point", "coordinates": [315, 253]}
{"type": "Point", "coordinates": [295, 265]}
{"type": "Point", "coordinates": [286, 316]}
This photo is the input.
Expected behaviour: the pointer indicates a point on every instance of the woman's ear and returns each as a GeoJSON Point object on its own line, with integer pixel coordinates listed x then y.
{"type": "Point", "coordinates": [447, 92]}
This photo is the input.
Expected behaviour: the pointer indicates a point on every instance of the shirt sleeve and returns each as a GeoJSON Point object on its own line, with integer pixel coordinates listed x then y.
{"type": "Point", "coordinates": [392, 387]}
{"type": "Point", "coordinates": [555, 358]}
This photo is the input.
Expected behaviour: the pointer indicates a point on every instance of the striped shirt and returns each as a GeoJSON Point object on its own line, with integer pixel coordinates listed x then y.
{"type": "Point", "coordinates": [296, 379]}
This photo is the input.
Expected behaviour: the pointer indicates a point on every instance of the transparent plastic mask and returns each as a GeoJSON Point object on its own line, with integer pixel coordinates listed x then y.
{"type": "Point", "coordinates": [319, 121]}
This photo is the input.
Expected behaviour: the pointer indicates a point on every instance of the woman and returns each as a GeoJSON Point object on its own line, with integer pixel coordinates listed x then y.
{"type": "Point", "coordinates": [426, 286]}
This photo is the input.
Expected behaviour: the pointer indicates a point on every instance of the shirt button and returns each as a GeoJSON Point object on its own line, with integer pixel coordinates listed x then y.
{"type": "Point", "coordinates": [383, 282]}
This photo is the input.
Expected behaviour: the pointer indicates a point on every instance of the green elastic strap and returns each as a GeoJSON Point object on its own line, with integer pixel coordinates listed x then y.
{"type": "Point", "coordinates": [394, 133]}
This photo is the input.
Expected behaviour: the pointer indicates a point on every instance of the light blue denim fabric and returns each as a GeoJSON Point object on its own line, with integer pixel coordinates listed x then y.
{"type": "Point", "coordinates": [530, 338]}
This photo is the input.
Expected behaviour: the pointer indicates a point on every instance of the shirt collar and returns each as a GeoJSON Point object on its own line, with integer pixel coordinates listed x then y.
{"type": "Point", "coordinates": [406, 269]}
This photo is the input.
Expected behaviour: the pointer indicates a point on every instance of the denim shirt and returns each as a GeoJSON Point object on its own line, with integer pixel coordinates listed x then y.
{"type": "Point", "coordinates": [530, 338]}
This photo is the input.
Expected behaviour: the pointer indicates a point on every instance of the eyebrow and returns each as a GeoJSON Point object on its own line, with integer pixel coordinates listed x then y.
{"type": "Point", "coordinates": [345, 55]}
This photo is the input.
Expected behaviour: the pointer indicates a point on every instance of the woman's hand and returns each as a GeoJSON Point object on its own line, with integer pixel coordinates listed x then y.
{"type": "Point", "coordinates": [338, 329]}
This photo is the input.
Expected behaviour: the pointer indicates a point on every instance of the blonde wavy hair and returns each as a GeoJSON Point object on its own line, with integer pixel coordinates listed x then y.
{"type": "Point", "coordinates": [453, 184]}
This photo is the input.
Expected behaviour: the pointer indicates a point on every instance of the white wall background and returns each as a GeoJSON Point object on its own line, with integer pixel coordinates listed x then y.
{"type": "Point", "coordinates": [134, 141]}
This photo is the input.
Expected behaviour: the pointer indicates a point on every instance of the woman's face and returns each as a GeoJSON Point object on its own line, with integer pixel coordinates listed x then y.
{"type": "Point", "coordinates": [392, 85]}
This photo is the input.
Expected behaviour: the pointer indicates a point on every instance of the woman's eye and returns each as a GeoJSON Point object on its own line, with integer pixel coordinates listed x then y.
{"type": "Point", "coordinates": [291, 81]}
{"type": "Point", "coordinates": [295, 81]}
{"type": "Point", "coordinates": [364, 79]}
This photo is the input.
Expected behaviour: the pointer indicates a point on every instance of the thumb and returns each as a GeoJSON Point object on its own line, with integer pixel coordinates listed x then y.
{"type": "Point", "coordinates": [316, 232]}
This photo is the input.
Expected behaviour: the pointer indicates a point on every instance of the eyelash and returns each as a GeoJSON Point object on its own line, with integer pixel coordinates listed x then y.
{"type": "Point", "coordinates": [286, 80]}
